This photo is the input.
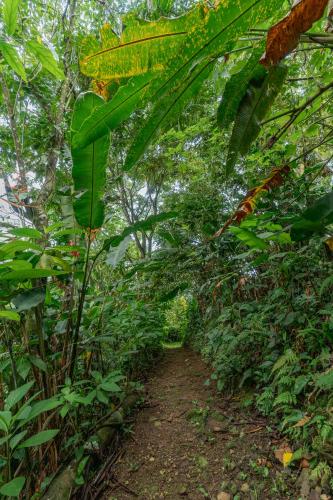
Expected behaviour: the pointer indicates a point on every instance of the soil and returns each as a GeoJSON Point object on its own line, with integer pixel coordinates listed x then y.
{"type": "Point", "coordinates": [188, 441]}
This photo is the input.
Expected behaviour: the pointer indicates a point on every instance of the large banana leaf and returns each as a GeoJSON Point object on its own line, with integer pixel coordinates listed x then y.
{"type": "Point", "coordinates": [236, 88]}
{"type": "Point", "coordinates": [255, 105]}
{"type": "Point", "coordinates": [111, 114]}
{"type": "Point", "coordinates": [89, 167]}
{"type": "Point", "coordinates": [185, 74]}
{"type": "Point", "coordinates": [143, 46]}
{"type": "Point", "coordinates": [171, 105]}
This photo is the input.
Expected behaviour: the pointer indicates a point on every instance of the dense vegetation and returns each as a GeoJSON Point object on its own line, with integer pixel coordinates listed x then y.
{"type": "Point", "coordinates": [167, 176]}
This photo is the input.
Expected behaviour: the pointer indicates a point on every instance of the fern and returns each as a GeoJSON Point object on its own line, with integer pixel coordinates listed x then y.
{"type": "Point", "coordinates": [325, 380]}
{"type": "Point", "coordinates": [265, 401]}
{"type": "Point", "coordinates": [327, 283]}
{"type": "Point", "coordinates": [286, 381]}
{"type": "Point", "coordinates": [325, 432]}
{"type": "Point", "coordinates": [301, 382]}
{"type": "Point", "coordinates": [285, 398]}
{"type": "Point", "coordinates": [321, 472]}
{"type": "Point", "coordinates": [289, 357]}
{"type": "Point", "coordinates": [255, 105]}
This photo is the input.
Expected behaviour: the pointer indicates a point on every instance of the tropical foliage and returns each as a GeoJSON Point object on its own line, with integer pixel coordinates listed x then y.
{"type": "Point", "coordinates": [166, 176]}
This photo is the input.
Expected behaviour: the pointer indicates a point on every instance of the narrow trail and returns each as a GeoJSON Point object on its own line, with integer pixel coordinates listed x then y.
{"type": "Point", "coordinates": [189, 442]}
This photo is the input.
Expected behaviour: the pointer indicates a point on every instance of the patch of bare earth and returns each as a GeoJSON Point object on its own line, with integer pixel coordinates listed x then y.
{"type": "Point", "coordinates": [188, 441]}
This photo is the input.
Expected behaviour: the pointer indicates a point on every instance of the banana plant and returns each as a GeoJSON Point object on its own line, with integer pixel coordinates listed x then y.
{"type": "Point", "coordinates": [89, 167]}
{"type": "Point", "coordinates": [89, 177]}
{"type": "Point", "coordinates": [211, 34]}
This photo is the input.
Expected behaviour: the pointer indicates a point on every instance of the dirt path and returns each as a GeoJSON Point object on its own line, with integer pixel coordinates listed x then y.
{"type": "Point", "coordinates": [189, 442]}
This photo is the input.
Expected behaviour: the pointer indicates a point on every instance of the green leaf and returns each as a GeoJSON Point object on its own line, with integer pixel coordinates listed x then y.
{"type": "Point", "coordinates": [151, 220]}
{"type": "Point", "coordinates": [249, 238]}
{"type": "Point", "coordinates": [173, 293]}
{"type": "Point", "coordinates": [116, 254]}
{"type": "Point", "coordinates": [102, 398]}
{"type": "Point", "coordinates": [38, 362]}
{"type": "Point", "coordinates": [14, 487]}
{"type": "Point", "coordinates": [12, 315]}
{"type": "Point", "coordinates": [29, 232]}
{"type": "Point", "coordinates": [9, 249]}
{"type": "Point", "coordinates": [46, 58]}
{"type": "Point", "coordinates": [5, 420]}
{"type": "Point", "coordinates": [144, 225]}
{"type": "Point", "coordinates": [171, 105]}
{"type": "Point", "coordinates": [30, 274]}
{"type": "Point", "coordinates": [31, 298]}
{"type": "Point", "coordinates": [314, 219]}
{"type": "Point", "coordinates": [23, 367]}
{"type": "Point", "coordinates": [13, 59]}
{"type": "Point", "coordinates": [110, 387]}
{"type": "Point", "coordinates": [9, 14]}
{"type": "Point", "coordinates": [66, 248]}
{"type": "Point", "coordinates": [325, 380]}
{"type": "Point", "coordinates": [24, 411]}
{"type": "Point", "coordinates": [89, 167]}
{"type": "Point", "coordinates": [16, 439]}
{"type": "Point", "coordinates": [185, 75]}
{"type": "Point", "coordinates": [39, 438]}
{"type": "Point", "coordinates": [42, 407]}
{"type": "Point", "coordinates": [256, 103]}
{"type": "Point", "coordinates": [65, 232]}
{"type": "Point", "coordinates": [18, 265]}
{"type": "Point", "coordinates": [236, 88]}
{"type": "Point", "coordinates": [15, 396]}
{"type": "Point", "coordinates": [111, 114]}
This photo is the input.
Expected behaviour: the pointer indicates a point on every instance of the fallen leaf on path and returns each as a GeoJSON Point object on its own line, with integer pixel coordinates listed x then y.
{"type": "Point", "coordinates": [284, 455]}
{"type": "Point", "coordinates": [223, 496]}
{"type": "Point", "coordinates": [304, 463]}
{"type": "Point", "coordinates": [257, 429]}
{"type": "Point", "coordinates": [264, 462]}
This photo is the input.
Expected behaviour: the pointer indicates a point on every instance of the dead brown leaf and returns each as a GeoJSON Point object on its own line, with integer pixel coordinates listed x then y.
{"type": "Point", "coordinates": [304, 464]}
{"type": "Point", "coordinates": [280, 452]}
{"type": "Point", "coordinates": [248, 204]}
{"type": "Point", "coordinates": [329, 244]}
{"type": "Point", "coordinates": [302, 422]}
{"type": "Point", "coordinates": [284, 36]}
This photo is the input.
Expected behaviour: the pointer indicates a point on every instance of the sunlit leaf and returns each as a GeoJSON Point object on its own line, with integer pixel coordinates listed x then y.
{"type": "Point", "coordinates": [10, 13]}
{"type": "Point", "coordinates": [12, 315]}
{"type": "Point", "coordinates": [143, 46]}
{"type": "Point", "coordinates": [45, 57]}
{"type": "Point", "coordinates": [12, 58]}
